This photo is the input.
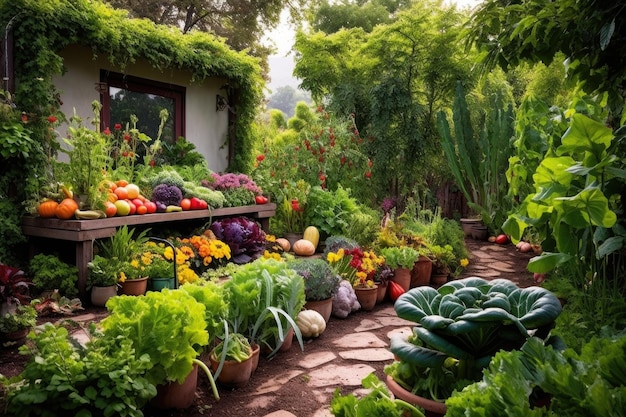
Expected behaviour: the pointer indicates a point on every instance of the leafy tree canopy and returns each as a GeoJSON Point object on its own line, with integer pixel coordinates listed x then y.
{"type": "Point", "coordinates": [285, 99]}
{"type": "Point", "coordinates": [329, 16]}
{"type": "Point", "coordinates": [591, 34]}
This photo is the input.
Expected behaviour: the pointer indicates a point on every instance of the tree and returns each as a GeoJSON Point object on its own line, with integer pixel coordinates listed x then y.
{"type": "Point", "coordinates": [330, 17]}
{"type": "Point", "coordinates": [394, 80]}
{"type": "Point", "coordinates": [285, 99]}
{"type": "Point", "coordinates": [591, 35]}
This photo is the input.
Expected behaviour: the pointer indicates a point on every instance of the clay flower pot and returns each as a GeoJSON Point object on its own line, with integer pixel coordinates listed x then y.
{"type": "Point", "coordinates": [135, 286]}
{"type": "Point", "coordinates": [324, 307]}
{"type": "Point", "coordinates": [367, 297]}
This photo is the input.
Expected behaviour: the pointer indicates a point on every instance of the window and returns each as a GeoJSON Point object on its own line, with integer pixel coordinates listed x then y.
{"type": "Point", "coordinates": [125, 95]}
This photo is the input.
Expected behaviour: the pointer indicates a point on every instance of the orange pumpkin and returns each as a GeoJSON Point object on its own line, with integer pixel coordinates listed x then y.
{"type": "Point", "coordinates": [47, 208]}
{"type": "Point", "coordinates": [65, 210]}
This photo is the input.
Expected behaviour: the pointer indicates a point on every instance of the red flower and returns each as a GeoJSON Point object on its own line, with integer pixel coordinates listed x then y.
{"type": "Point", "coordinates": [127, 138]}
{"type": "Point", "coordinates": [322, 177]}
{"type": "Point", "coordinates": [368, 174]}
{"type": "Point", "coordinates": [118, 126]}
{"type": "Point", "coordinates": [295, 205]}
{"type": "Point", "coordinates": [343, 160]}
{"type": "Point", "coordinates": [24, 118]}
{"type": "Point", "coordinates": [52, 118]}
{"type": "Point", "coordinates": [152, 163]}
{"type": "Point", "coordinates": [125, 154]}
{"type": "Point", "coordinates": [260, 157]}
{"type": "Point", "coordinates": [369, 163]}
{"type": "Point", "coordinates": [321, 159]}
{"type": "Point", "coordinates": [107, 131]}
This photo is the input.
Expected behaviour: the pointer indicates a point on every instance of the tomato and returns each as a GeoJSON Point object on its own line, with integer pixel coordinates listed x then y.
{"type": "Point", "coordinates": [185, 204]}
{"type": "Point", "coordinates": [502, 239]}
{"type": "Point", "coordinates": [121, 192]}
{"type": "Point", "coordinates": [261, 199]}
{"type": "Point", "coordinates": [110, 209]}
{"type": "Point", "coordinates": [133, 208]}
{"type": "Point", "coordinates": [142, 209]}
{"type": "Point", "coordinates": [137, 202]}
{"type": "Point", "coordinates": [150, 207]}
{"type": "Point", "coordinates": [121, 183]}
{"type": "Point", "coordinates": [203, 205]}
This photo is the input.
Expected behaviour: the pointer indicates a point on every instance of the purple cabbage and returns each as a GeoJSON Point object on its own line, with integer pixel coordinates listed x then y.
{"type": "Point", "coordinates": [170, 195]}
{"type": "Point", "coordinates": [245, 238]}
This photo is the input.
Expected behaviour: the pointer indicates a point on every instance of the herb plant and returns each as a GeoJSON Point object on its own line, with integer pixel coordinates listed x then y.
{"type": "Point", "coordinates": [320, 281]}
{"type": "Point", "coordinates": [105, 377]}
{"type": "Point", "coordinates": [51, 273]}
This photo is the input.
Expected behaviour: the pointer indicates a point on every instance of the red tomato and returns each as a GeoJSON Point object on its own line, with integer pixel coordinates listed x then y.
{"type": "Point", "coordinates": [502, 239]}
{"type": "Point", "coordinates": [137, 202]}
{"type": "Point", "coordinates": [133, 208]}
{"type": "Point", "coordinates": [185, 204]}
{"type": "Point", "coordinates": [110, 209]}
{"type": "Point", "coordinates": [141, 209]}
{"type": "Point", "coordinates": [150, 207]}
{"type": "Point", "coordinates": [261, 199]}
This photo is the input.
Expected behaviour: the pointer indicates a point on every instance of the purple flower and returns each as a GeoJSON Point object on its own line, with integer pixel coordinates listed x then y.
{"type": "Point", "coordinates": [229, 180]}
{"type": "Point", "coordinates": [388, 204]}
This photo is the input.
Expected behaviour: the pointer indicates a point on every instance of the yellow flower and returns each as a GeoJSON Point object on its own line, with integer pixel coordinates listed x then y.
{"type": "Point", "coordinates": [464, 262]}
{"type": "Point", "coordinates": [122, 277]}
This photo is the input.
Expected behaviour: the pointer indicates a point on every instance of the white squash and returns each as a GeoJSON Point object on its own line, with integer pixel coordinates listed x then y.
{"type": "Point", "coordinates": [311, 323]}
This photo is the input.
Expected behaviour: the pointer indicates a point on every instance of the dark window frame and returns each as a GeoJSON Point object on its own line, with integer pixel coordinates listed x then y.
{"type": "Point", "coordinates": [146, 86]}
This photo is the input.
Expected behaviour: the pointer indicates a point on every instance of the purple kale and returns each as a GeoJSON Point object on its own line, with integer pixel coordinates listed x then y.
{"type": "Point", "coordinates": [245, 238]}
{"type": "Point", "coordinates": [170, 195]}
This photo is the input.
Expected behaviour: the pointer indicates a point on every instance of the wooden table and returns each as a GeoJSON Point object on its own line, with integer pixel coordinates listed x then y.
{"type": "Point", "coordinates": [84, 232]}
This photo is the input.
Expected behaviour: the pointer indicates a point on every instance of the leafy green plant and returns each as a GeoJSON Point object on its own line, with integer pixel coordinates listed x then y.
{"type": "Point", "coordinates": [330, 211]}
{"type": "Point", "coordinates": [377, 402]}
{"type": "Point", "coordinates": [168, 326]}
{"type": "Point", "coordinates": [124, 244]}
{"type": "Point", "coordinates": [105, 377]}
{"type": "Point", "coordinates": [103, 272]}
{"type": "Point", "coordinates": [578, 384]}
{"type": "Point", "coordinates": [574, 211]}
{"type": "Point", "coordinates": [51, 273]}
{"type": "Point", "coordinates": [211, 295]}
{"type": "Point", "coordinates": [400, 256]}
{"type": "Point", "coordinates": [478, 156]}
{"type": "Point", "coordinates": [460, 326]}
{"type": "Point", "coordinates": [320, 281]}
{"type": "Point", "coordinates": [235, 347]}
{"type": "Point", "coordinates": [264, 298]}
{"type": "Point", "coordinates": [23, 317]}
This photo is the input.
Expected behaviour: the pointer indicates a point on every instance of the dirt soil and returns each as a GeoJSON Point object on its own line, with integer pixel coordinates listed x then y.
{"type": "Point", "coordinates": [487, 260]}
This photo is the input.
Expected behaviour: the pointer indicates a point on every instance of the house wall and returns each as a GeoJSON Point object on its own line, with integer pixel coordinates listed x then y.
{"type": "Point", "coordinates": [205, 127]}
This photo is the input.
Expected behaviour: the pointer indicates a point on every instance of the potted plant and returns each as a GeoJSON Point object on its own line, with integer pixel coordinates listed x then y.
{"type": "Point", "coordinates": [231, 360]}
{"type": "Point", "coordinates": [381, 278]}
{"type": "Point", "coordinates": [102, 279]}
{"type": "Point", "coordinates": [244, 236]}
{"type": "Point", "coordinates": [459, 327]}
{"type": "Point", "coordinates": [264, 298]}
{"type": "Point", "coordinates": [168, 326]}
{"type": "Point", "coordinates": [320, 284]}
{"type": "Point", "coordinates": [50, 273]}
{"type": "Point", "coordinates": [443, 263]}
{"type": "Point", "coordinates": [15, 325]}
{"type": "Point", "coordinates": [401, 259]}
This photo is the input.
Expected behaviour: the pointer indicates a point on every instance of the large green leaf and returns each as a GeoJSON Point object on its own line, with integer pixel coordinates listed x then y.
{"type": "Point", "coordinates": [417, 303]}
{"type": "Point", "coordinates": [589, 207]}
{"type": "Point", "coordinates": [414, 354]}
{"type": "Point", "coordinates": [547, 261]}
{"type": "Point", "coordinates": [554, 171]}
{"type": "Point", "coordinates": [585, 135]}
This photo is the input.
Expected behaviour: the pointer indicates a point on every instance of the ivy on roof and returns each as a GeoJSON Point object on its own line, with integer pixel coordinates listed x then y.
{"type": "Point", "coordinates": [43, 28]}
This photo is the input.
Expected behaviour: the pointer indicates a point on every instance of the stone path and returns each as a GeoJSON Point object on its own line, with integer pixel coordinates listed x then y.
{"type": "Point", "coordinates": [361, 346]}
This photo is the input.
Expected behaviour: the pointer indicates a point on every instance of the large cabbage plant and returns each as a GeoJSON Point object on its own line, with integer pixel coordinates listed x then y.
{"type": "Point", "coordinates": [460, 326]}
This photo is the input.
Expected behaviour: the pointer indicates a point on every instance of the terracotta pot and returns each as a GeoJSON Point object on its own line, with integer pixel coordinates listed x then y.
{"type": "Point", "coordinates": [381, 293]}
{"type": "Point", "coordinates": [293, 238]}
{"type": "Point", "coordinates": [135, 286]}
{"type": "Point", "coordinates": [14, 339]}
{"type": "Point", "coordinates": [480, 232]}
{"type": "Point", "coordinates": [367, 297]}
{"type": "Point", "coordinates": [437, 280]}
{"type": "Point", "coordinates": [467, 224]}
{"type": "Point", "coordinates": [256, 354]}
{"type": "Point", "coordinates": [324, 307]}
{"type": "Point", "coordinates": [235, 374]}
{"type": "Point", "coordinates": [100, 295]}
{"type": "Point", "coordinates": [402, 276]}
{"type": "Point", "coordinates": [175, 395]}
{"type": "Point", "coordinates": [420, 274]}
{"type": "Point", "coordinates": [288, 341]}
{"type": "Point", "coordinates": [433, 408]}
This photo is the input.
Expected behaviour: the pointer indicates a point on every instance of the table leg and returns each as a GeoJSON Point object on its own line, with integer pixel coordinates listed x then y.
{"type": "Point", "coordinates": [84, 255]}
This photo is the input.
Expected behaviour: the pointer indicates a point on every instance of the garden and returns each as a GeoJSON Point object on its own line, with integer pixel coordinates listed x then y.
{"type": "Point", "coordinates": [376, 192]}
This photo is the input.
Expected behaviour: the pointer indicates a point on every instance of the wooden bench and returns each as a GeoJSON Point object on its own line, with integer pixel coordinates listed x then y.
{"type": "Point", "coordinates": [84, 232]}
